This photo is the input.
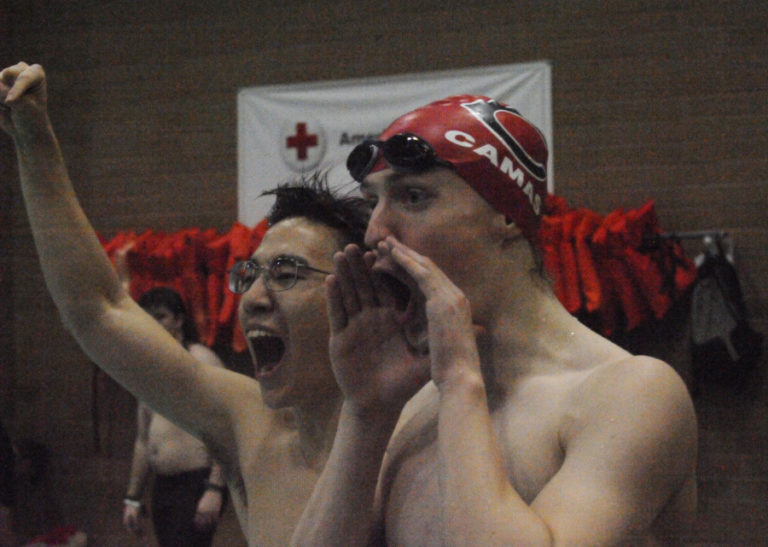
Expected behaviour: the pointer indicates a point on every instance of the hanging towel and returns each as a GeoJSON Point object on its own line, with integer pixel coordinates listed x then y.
{"type": "Point", "coordinates": [724, 346]}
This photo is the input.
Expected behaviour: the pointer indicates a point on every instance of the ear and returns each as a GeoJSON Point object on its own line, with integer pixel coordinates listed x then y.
{"type": "Point", "coordinates": [506, 229]}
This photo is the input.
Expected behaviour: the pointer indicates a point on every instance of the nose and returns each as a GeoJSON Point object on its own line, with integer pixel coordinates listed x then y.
{"type": "Point", "coordinates": [256, 299]}
{"type": "Point", "coordinates": [379, 225]}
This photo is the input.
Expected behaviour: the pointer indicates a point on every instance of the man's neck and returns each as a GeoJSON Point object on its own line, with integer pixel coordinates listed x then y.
{"type": "Point", "coordinates": [537, 335]}
{"type": "Point", "coordinates": [524, 336]}
{"type": "Point", "coordinates": [316, 427]}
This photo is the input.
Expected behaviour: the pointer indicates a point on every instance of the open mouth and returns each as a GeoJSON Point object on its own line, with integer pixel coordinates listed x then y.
{"type": "Point", "coordinates": [267, 349]}
{"type": "Point", "coordinates": [399, 292]}
{"type": "Point", "coordinates": [410, 303]}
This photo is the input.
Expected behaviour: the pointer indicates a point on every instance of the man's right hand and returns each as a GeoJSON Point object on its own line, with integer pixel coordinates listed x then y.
{"type": "Point", "coordinates": [23, 97]}
{"type": "Point", "coordinates": [132, 519]}
{"type": "Point", "coordinates": [375, 367]}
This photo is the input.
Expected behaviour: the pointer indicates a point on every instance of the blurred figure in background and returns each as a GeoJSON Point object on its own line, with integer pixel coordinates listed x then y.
{"type": "Point", "coordinates": [189, 490]}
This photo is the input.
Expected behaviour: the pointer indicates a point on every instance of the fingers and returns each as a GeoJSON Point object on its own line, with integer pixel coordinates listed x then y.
{"type": "Point", "coordinates": [349, 296]}
{"type": "Point", "coordinates": [382, 296]}
{"type": "Point", "coordinates": [369, 258]}
{"type": "Point", "coordinates": [337, 315]}
{"type": "Point", "coordinates": [359, 267]}
{"type": "Point", "coordinates": [349, 289]}
{"type": "Point", "coordinates": [131, 521]}
{"type": "Point", "coordinates": [206, 519]}
{"type": "Point", "coordinates": [21, 79]}
{"type": "Point", "coordinates": [125, 249]}
{"type": "Point", "coordinates": [426, 274]}
{"type": "Point", "coordinates": [9, 75]}
{"type": "Point", "coordinates": [203, 521]}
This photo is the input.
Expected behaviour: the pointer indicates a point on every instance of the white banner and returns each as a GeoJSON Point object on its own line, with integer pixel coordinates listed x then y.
{"type": "Point", "coordinates": [286, 130]}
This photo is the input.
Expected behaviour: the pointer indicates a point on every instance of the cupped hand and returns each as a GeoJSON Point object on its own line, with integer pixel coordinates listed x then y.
{"type": "Point", "coordinates": [452, 334]}
{"type": "Point", "coordinates": [208, 510]}
{"type": "Point", "coordinates": [132, 519]}
{"type": "Point", "coordinates": [375, 367]}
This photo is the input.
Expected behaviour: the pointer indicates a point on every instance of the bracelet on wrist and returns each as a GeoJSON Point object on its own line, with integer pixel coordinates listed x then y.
{"type": "Point", "coordinates": [132, 502]}
{"type": "Point", "coordinates": [217, 487]}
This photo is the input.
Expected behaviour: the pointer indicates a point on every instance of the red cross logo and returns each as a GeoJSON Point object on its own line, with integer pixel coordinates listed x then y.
{"type": "Point", "coordinates": [301, 141]}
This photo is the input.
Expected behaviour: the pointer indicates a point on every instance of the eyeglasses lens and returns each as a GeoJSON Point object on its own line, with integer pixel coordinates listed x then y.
{"type": "Point", "coordinates": [241, 276]}
{"type": "Point", "coordinates": [282, 274]}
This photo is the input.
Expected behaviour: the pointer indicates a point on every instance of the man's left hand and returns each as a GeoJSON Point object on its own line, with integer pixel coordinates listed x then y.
{"type": "Point", "coordinates": [452, 334]}
{"type": "Point", "coordinates": [208, 510]}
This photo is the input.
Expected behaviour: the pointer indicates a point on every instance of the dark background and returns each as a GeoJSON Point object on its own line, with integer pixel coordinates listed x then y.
{"type": "Point", "coordinates": [668, 102]}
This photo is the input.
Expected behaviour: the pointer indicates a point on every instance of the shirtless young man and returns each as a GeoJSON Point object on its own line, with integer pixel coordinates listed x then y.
{"type": "Point", "coordinates": [270, 465]}
{"type": "Point", "coordinates": [189, 492]}
{"type": "Point", "coordinates": [534, 430]}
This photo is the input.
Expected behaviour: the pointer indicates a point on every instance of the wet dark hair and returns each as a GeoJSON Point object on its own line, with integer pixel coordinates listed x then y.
{"type": "Point", "coordinates": [310, 197]}
{"type": "Point", "coordinates": [165, 297]}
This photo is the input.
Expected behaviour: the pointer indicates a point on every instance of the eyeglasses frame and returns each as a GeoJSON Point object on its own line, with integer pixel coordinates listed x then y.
{"type": "Point", "coordinates": [266, 272]}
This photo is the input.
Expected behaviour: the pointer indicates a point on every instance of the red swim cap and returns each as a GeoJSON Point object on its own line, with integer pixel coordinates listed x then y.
{"type": "Point", "coordinates": [492, 147]}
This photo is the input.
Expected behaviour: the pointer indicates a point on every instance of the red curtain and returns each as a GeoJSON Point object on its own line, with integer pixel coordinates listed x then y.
{"type": "Point", "coordinates": [612, 270]}
{"type": "Point", "coordinates": [194, 262]}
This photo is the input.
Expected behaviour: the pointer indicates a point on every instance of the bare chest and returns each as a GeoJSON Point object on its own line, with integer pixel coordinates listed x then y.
{"type": "Point", "coordinates": [532, 455]}
{"type": "Point", "coordinates": [173, 450]}
{"type": "Point", "coordinates": [279, 486]}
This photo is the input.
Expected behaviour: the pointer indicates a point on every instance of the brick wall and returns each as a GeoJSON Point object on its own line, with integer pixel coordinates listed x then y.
{"type": "Point", "coordinates": [668, 102]}
{"type": "Point", "coordinates": [6, 265]}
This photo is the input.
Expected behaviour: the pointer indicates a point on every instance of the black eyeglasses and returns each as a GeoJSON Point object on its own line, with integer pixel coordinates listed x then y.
{"type": "Point", "coordinates": [279, 275]}
{"type": "Point", "coordinates": [404, 153]}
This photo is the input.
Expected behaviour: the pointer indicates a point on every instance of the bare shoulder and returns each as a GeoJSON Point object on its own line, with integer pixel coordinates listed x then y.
{"type": "Point", "coordinates": [635, 380]}
{"type": "Point", "coordinates": [629, 439]}
{"type": "Point", "coordinates": [640, 402]}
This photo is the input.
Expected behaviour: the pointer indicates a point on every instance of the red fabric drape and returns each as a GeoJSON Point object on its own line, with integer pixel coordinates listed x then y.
{"type": "Point", "coordinates": [604, 268]}
{"type": "Point", "coordinates": [194, 262]}
{"type": "Point", "coordinates": [601, 267]}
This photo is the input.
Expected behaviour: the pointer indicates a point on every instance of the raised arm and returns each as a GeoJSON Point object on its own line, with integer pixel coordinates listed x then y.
{"type": "Point", "coordinates": [110, 327]}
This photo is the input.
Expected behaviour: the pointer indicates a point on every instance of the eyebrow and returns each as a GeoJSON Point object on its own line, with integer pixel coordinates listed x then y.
{"type": "Point", "coordinates": [388, 182]}
{"type": "Point", "coordinates": [298, 259]}
{"type": "Point", "coordinates": [392, 180]}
